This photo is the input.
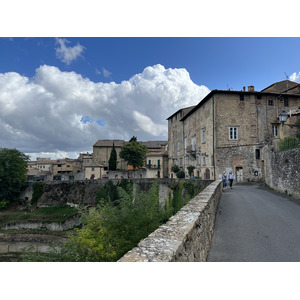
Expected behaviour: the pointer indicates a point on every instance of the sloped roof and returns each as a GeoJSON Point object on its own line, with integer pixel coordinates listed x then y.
{"type": "Point", "coordinates": [109, 143]}
{"type": "Point", "coordinates": [281, 86]}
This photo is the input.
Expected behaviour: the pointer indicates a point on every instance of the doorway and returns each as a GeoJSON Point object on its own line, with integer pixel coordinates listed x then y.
{"type": "Point", "coordinates": [239, 174]}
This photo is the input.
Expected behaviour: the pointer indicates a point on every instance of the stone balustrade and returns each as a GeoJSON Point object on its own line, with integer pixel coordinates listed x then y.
{"type": "Point", "coordinates": [186, 236]}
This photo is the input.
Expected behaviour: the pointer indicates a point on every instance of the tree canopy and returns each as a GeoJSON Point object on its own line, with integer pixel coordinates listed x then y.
{"type": "Point", "coordinates": [134, 153]}
{"type": "Point", "coordinates": [13, 169]}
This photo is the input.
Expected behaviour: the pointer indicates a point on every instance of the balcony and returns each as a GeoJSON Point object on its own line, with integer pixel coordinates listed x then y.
{"type": "Point", "coordinates": [152, 166]}
{"type": "Point", "coordinates": [190, 152]}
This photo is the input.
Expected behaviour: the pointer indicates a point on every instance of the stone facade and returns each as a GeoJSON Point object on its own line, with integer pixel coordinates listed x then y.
{"type": "Point", "coordinates": [186, 237]}
{"type": "Point", "coordinates": [102, 150]}
{"type": "Point", "coordinates": [228, 129]}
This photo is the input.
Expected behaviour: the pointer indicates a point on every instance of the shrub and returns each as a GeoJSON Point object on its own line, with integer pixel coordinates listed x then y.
{"type": "Point", "coordinates": [180, 174]}
{"type": "Point", "coordinates": [287, 143]}
{"type": "Point", "coordinates": [175, 169]}
{"type": "Point", "coordinates": [38, 190]}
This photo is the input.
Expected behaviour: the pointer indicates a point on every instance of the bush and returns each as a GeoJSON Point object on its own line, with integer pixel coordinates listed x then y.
{"type": "Point", "coordinates": [180, 174]}
{"type": "Point", "coordinates": [38, 190]}
{"type": "Point", "coordinates": [287, 143]}
{"type": "Point", "coordinates": [175, 169]}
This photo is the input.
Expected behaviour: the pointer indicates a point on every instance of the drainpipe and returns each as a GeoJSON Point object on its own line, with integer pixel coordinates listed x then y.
{"type": "Point", "coordinates": [213, 111]}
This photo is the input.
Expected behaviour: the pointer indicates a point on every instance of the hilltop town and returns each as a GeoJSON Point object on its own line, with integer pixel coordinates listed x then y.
{"type": "Point", "coordinates": [227, 130]}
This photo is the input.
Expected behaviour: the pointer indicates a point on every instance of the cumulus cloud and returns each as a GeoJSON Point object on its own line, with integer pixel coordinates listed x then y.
{"type": "Point", "coordinates": [63, 113]}
{"type": "Point", "coordinates": [68, 54]}
{"type": "Point", "coordinates": [295, 77]}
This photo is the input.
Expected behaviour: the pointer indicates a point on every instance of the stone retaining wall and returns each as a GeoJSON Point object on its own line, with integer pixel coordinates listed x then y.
{"type": "Point", "coordinates": [186, 237]}
{"type": "Point", "coordinates": [53, 226]}
{"type": "Point", "coordinates": [282, 170]}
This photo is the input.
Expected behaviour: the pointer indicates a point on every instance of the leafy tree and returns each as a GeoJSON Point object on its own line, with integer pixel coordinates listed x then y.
{"type": "Point", "coordinates": [13, 169]}
{"type": "Point", "coordinates": [175, 169]}
{"type": "Point", "coordinates": [112, 162]}
{"type": "Point", "coordinates": [190, 170]}
{"type": "Point", "coordinates": [134, 153]}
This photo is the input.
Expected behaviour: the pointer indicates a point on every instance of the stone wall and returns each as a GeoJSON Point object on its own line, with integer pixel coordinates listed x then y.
{"type": "Point", "coordinates": [84, 192]}
{"type": "Point", "coordinates": [53, 226]}
{"type": "Point", "coordinates": [282, 170]}
{"type": "Point", "coordinates": [186, 237]}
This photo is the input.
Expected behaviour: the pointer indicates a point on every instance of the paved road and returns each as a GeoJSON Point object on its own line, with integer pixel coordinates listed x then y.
{"type": "Point", "coordinates": [255, 224]}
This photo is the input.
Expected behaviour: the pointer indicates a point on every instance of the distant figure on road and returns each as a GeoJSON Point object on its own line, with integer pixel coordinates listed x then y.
{"type": "Point", "coordinates": [224, 179]}
{"type": "Point", "coordinates": [230, 178]}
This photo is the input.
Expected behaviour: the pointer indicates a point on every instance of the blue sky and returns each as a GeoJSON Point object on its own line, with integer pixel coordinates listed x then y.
{"type": "Point", "coordinates": [71, 74]}
{"type": "Point", "coordinates": [59, 95]}
{"type": "Point", "coordinates": [217, 63]}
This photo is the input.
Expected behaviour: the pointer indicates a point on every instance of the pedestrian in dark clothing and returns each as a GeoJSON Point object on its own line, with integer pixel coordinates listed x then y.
{"type": "Point", "coordinates": [224, 179]}
{"type": "Point", "coordinates": [230, 178]}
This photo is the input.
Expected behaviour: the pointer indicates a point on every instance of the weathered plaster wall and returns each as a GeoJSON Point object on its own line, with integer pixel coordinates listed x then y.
{"type": "Point", "coordinates": [282, 170]}
{"type": "Point", "coordinates": [186, 237]}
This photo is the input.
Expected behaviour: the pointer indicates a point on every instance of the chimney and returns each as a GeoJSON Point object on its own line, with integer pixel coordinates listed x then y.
{"type": "Point", "coordinates": [250, 88]}
{"type": "Point", "coordinates": [244, 88]}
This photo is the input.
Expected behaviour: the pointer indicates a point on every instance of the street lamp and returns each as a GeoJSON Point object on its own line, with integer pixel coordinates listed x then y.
{"type": "Point", "coordinates": [283, 117]}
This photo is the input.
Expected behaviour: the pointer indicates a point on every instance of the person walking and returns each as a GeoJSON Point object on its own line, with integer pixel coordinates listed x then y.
{"type": "Point", "coordinates": [224, 179]}
{"type": "Point", "coordinates": [230, 178]}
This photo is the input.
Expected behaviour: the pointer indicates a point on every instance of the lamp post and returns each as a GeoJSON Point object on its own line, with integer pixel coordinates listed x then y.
{"type": "Point", "coordinates": [283, 118]}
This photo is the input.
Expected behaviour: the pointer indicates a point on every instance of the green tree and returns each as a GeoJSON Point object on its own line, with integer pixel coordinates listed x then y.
{"type": "Point", "coordinates": [134, 153]}
{"type": "Point", "coordinates": [190, 170]}
{"type": "Point", "coordinates": [112, 162]}
{"type": "Point", "coordinates": [175, 169]}
{"type": "Point", "coordinates": [13, 169]}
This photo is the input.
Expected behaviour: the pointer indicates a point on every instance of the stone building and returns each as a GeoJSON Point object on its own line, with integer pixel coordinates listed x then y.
{"type": "Point", "coordinates": [102, 150]}
{"type": "Point", "coordinates": [228, 129]}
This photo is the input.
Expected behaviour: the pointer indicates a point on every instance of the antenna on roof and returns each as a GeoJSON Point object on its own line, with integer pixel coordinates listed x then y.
{"type": "Point", "coordinates": [287, 77]}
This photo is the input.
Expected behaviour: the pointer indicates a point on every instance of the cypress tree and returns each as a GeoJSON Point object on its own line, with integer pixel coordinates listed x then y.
{"type": "Point", "coordinates": [113, 159]}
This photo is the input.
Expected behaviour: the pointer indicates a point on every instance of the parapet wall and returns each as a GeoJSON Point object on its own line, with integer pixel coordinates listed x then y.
{"type": "Point", "coordinates": [186, 237]}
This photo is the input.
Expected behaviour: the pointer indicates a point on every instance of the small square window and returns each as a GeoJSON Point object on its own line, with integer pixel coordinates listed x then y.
{"type": "Point", "coordinates": [286, 101]}
{"type": "Point", "coordinates": [242, 97]}
{"type": "Point", "coordinates": [271, 102]}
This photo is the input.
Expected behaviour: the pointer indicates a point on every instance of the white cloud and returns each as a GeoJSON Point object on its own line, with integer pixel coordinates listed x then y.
{"type": "Point", "coordinates": [62, 112]}
{"type": "Point", "coordinates": [106, 73]}
{"type": "Point", "coordinates": [295, 77]}
{"type": "Point", "coordinates": [68, 54]}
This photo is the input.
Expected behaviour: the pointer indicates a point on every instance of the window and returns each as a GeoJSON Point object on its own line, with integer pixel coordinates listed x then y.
{"type": "Point", "coordinates": [258, 97]}
{"type": "Point", "coordinates": [203, 136]}
{"type": "Point", "coordinates": [275, 130]}
{"type": "Point", "coordinates": [198, 160]}
{"type": "Point", "coordinates": [286, 101]}
{"type": "Point", "coordinates": [149, 163]}
{"type": "Point", "coordinates": [242, 97]}
{"type": "Point", "coordinates": [158, 163]}
{"type": "Point", "coordinates": [257, 153]}
{"type": "Point", "coordinates": [193, 144]}
{"type": "Point", "coordinates": [271, 102]}
{"type": "Point", "coordinates": [178, 146]}
{"type": "Point", "coordinates": [173, 148]}
{"type": "Point", "coordinates": [185, 143]}
{"type": "Point", "coordinates": [93, 169]}
{"type": "Point", "coordinates": [204, 161]}
{"type": "Point", "coordinates": [233, 133]}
